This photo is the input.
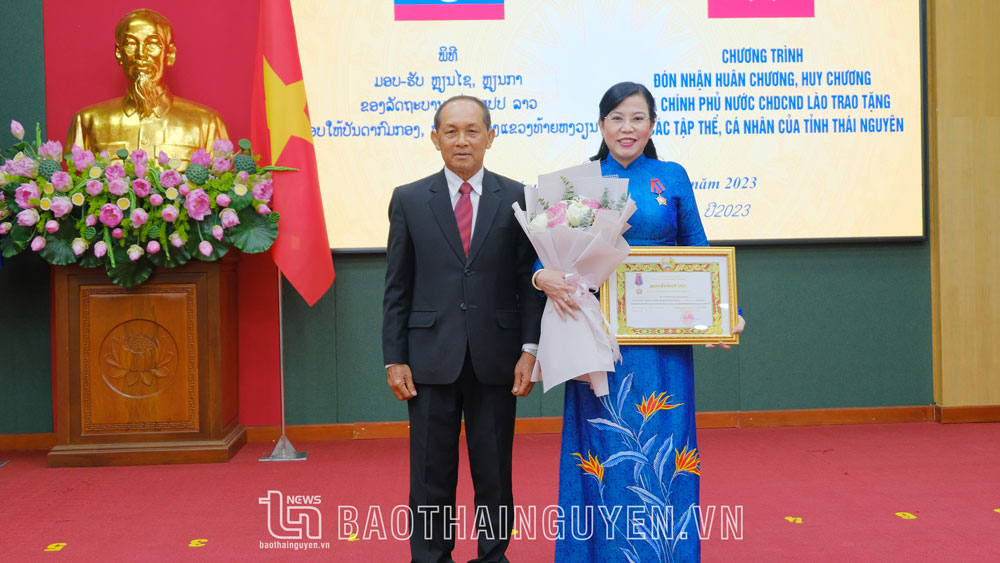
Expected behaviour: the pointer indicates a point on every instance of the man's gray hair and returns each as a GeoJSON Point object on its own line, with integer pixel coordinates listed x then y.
{"type": "Point", "coordinates": [477, 101]}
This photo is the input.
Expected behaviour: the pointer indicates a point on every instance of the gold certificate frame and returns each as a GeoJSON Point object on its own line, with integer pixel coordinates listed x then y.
{"type": "Point", "coordinates": [673, 295]}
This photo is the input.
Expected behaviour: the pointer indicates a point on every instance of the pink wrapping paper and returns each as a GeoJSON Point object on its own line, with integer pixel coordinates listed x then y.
{"type": "Point", "coordinates": [581, 348]}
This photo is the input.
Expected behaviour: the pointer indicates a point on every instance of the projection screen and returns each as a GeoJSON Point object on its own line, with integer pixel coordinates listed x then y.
{"type": "Point", "coordinates": [795, 119]}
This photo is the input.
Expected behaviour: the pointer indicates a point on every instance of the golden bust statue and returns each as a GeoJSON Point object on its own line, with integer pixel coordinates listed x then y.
{"type": "Point", "coordinates": [148, 116]}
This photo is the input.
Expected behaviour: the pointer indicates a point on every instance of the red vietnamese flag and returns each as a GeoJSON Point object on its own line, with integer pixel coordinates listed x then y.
{"type": "Point", "coordinates": [281, 132]}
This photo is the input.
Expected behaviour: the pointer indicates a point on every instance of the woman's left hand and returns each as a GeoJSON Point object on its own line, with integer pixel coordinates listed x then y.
{"type": "Point", "coordinates": [559, 291]}
{"type": "Point", "coordinates": [740, 325]}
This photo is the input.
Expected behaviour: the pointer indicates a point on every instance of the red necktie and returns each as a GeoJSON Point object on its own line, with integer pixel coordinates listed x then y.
{"type": "Point", "coordinates": [463, 215]}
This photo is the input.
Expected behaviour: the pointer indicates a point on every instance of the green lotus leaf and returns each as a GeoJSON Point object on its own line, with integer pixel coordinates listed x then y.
{"type": "Point", "coordinates": [88, 260]}
{"type": "Point", "coordinates": [125, 272]}
{"type": "Point", "coordinates": [254, 233]}
{"type": "Point", "coordinates": [10, 194]}
{"type": "Point", "coordinates": [219, 247]}
{"type": "Point", "coordinates": [58, 249]}
{"type": "Point", "coordinates": [178, 257]}
{"type": "Point", "coordinates": [16, 240]}
{"type": "Point", "coordinates": [240, 202]}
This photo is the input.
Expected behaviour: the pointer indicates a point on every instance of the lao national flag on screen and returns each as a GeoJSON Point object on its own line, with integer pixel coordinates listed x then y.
{"type": "Point", "coordinates": [430, 10]}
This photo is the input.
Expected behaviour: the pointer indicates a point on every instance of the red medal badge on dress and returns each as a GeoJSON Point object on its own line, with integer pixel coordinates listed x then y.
{"type": "Point", "coordinates": [656, 188]}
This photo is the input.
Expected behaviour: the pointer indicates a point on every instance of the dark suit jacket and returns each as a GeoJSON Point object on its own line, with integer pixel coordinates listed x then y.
{"type": "Point", "coordinates": [437, 303]}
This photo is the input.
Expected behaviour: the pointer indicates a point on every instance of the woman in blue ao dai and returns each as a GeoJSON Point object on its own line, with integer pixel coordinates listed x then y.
{"type": "Point", "coordinates": [630, 466]}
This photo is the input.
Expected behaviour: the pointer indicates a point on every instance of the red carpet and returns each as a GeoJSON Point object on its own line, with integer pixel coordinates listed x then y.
{"type": "Point", "coordinates": [846, 483]}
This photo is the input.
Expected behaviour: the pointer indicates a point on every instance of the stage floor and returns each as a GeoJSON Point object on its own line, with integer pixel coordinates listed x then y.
{"type": "Point", "coordinates": [880, 492]}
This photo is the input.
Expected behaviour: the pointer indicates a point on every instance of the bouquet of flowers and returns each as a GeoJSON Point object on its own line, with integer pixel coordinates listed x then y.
{"type": "Point", "coordinates": [580, 234]}
{"type": "Point", "coordinates": [128, 212]}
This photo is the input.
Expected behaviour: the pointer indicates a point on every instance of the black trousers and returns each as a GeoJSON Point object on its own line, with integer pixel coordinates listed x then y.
{"type": "Point", "coordinates": [435, 426]}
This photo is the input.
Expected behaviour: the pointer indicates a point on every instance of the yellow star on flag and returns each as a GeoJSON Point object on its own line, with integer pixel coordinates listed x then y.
{"type": "Point", "coordinates": [286, 111]}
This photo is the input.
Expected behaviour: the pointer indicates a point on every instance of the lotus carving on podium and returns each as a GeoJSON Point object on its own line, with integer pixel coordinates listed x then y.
{"type": "Point", "coordinates": [137, 358]}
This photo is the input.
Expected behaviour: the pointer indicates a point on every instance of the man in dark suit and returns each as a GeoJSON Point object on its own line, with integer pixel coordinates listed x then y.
{"type": "Point", "coordinates": [460, 327]}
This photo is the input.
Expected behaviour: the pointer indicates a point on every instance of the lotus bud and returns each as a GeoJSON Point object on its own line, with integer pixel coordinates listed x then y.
{"type": "Point", "coordinates": [79, 246]}
{"type": "Point", "coordinates": [17, 130]}
{"type": "Point", "coordinates": [135, 252]}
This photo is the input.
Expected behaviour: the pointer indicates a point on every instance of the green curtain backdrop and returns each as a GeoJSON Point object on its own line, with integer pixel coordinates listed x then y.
{"type": "Point", "coordinates": [25, 343]}
{"type": "Point", "coordinates": [839, 325]}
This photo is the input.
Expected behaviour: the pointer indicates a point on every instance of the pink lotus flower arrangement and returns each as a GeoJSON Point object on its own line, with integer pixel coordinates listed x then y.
{"type": "Point", "coordinates": [129, 212]}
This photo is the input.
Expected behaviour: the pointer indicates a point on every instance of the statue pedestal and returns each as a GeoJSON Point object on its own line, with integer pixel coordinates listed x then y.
{"type": "Point", "coordinates": [146, 375]}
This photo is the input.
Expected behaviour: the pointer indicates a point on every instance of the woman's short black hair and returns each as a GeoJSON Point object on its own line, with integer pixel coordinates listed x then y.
{"type": "Point", "coordinates": [612, 99]}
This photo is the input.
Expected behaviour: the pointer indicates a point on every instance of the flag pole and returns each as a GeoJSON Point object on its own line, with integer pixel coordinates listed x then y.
{"type": "Point", "coordinates": [283, 450]}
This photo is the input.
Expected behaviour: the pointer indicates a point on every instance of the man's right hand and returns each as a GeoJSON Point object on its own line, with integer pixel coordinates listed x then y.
{"type": "Point", "coordinates": [401, 381]}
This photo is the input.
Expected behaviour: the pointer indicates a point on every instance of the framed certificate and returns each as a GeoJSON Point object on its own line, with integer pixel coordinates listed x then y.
{"type": "Point", "coordinates": [673, 295]}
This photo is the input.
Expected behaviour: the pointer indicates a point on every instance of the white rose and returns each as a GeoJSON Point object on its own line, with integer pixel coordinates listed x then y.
{"type": "Point", "coordinates": [539, 223]}
{"type": "Point", "coordinates": [578, 214]}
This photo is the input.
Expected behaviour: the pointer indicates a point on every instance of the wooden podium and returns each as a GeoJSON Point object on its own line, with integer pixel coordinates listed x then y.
{"type": "Point", "coordinates": [146, 375]}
